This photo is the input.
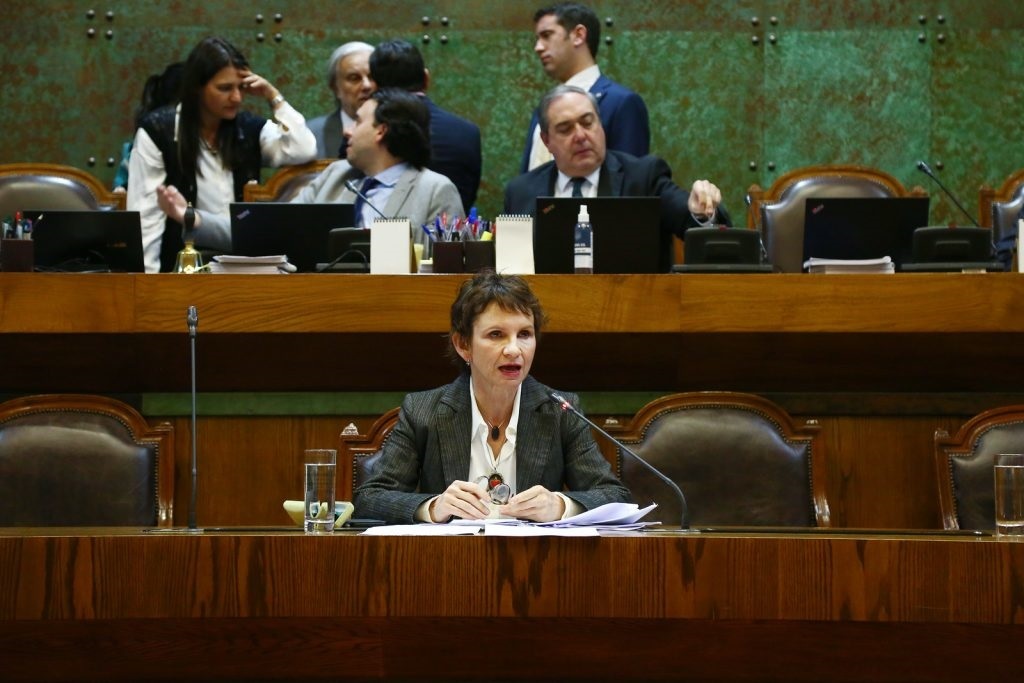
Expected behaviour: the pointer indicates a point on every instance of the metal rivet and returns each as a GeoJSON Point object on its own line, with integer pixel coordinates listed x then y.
{"type": "Point", "coordinates": [608, 21]}
{"type": "Point", "coordinates": [109, 34]}
{"type": "Point", "coordinates": [260, 37]}
{"type": "Point", "coordinates": [278, 17]}
{"type": "Point", "coordinates": [941, 37]}
{"type": "Point", "coordinates": [608, 40]}
{"type": "Point", "coordinates": [425, 21]}
{"type": "Point", "coordinates": [91, 14]}
{"type": "Point", "coordinates": [259, 18]}
{"type": "Point", "coordinates": [941, 18]}
{"type": "Point", "coordinates": [426, 39]}
{"type": "Point", "coordinates": [444, 21]}
{"type": "Point", "coordinates": [278, 37]}
{"type": "Point", "coordinates": [754, 21]}
{"type": "Point", "coordinates": [752, 165]}
{"type": "Point", "coordinates": [921, 38]}
{"type": "Point", "coordinates": [91, 33]}
{"type": "Point", "coordinates": [754, 40]}
{"type": "Point", "coordinates": [110, 162]}
{"type": "Point", "coordinates": [91, 161]}
{"type": "Point", "coordinates": [110, 15]}
{"type": "Point", "coordinates": [939, 165]}
{"type": "Point", "coordinates": [443, 39]}
{"type": "Point", "coordinates": [771, 38]}
{"type": "Point", "coordinates": [771, 165]}
{"type": "Point", "coordinates": [922, 19]}
{"type": "Point", "coordinates": [774, 21]}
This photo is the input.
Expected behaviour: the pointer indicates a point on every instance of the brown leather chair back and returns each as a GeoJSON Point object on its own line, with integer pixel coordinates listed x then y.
{"type": "Point", "coordinates": [363, 450]}
{"type": "Point", "coordinates": [964, 465]}
{"type": "Point", "coordinates": [779, 211]}
{"type": "Point", "coordinates": [52, 186]}
{"type": "Point", "coordinates": [287, 182]}
{"type": "Point", "coordinates": [1000, 208]}
{"type": "Point", "coordinates": [739, 459]}
{"type": "Point", "coordinates": [75, 460]}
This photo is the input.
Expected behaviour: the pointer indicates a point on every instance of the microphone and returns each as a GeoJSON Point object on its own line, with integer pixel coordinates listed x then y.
{"type": "Point", "coordinates": [352, 186]}
{"type": "Point", "coordinates": [926, 169]}
{"type": "Point", "coordinates": [192, 318]}
{"type": "Point", "coordinates": [684, 518]}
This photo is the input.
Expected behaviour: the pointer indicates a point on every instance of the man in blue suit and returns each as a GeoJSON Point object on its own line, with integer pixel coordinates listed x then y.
{"type": "Point", "coordinates": [454, 141]}
{"type": "Point", "coordinates": [568, 35]}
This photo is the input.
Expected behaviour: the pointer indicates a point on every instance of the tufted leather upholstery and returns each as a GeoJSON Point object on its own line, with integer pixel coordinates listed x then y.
{"type": "Point", "coordinates": [286, 182]}
{"type": "Point", "coordinates": [738, 459]}
{"type": "Point", "coordinates": [363, 450]}
{"type": "Point", "coordinates": [83, 461]}
{"type": "Point", "coordinates": [964, 466]}
{"type": "Point", "coordinates": [780, 210]}
{"type": "Point", "coordinates": [51, 186]}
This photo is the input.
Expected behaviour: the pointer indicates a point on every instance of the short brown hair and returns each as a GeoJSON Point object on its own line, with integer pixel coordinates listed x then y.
{"type": "Point", "coordinates": [510, 292]}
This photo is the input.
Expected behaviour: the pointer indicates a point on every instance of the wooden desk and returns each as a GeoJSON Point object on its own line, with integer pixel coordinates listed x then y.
{"type": "Point", "coordinates": [760, 333]}
{"type": "Point", "coordinates": [129, 606]}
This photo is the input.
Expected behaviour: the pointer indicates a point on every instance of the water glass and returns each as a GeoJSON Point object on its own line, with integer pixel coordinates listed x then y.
{"type": "Point", "coordinates": [321, 465]}
{"type": "Point", "coordinates": [1009, 477]}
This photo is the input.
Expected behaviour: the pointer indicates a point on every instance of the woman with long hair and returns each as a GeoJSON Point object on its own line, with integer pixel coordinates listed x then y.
{"type": "Point", "coordinates": [190, 161]}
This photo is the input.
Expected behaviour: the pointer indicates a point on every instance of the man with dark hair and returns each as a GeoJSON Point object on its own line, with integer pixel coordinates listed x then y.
{"type": "Point", "coordinates": [584, 167]}
{"type": "Point", "coordinates": [568, 35]}
{"type": "Point", "coordinates": [454, 141]}
{"type": "Point", "coordinates": [388, 150]}
{"type": "Point", "coordinates": [348, 78]}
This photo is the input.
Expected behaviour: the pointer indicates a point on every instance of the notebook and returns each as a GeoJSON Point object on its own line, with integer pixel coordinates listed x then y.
{"type": "Point", "coordinates": [627, 234]}
{"type": "Point", "coordinates": [863, 227]}
{"type": "Point", "coordinates": [87, 241]}
{"type": "Point", "coordinates": [301, 231]}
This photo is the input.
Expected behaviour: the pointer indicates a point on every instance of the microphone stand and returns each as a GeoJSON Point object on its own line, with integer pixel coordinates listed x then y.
{"type": "Point", "coordinates": [192, 318]}
{"type": "Point", "coordinates": [357, 192]}
{"type": "Point", "coordinates": [684, 523]}
{"type": "Point", "coordinates": [926, 169]}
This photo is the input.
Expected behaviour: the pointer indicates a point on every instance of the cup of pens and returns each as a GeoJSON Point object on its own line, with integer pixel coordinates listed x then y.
{"type": "Point", "coordinates": [461, 244]}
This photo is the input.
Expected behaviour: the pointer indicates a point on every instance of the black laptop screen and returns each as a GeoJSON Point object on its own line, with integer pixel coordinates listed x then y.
{"type": "Point", "coordinates": [300, 231]}
{"type": "Point", "coordinates": [87, 241]}
{"type": "Point", "coordinates": [863, 227]}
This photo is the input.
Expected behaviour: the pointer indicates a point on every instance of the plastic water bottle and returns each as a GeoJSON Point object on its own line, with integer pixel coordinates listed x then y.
{"type": "Point", "coordinates": [583, 243]}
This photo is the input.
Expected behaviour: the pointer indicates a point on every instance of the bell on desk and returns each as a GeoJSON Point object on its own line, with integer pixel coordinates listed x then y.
{"type": "Point", "coordinates": [189, 260]}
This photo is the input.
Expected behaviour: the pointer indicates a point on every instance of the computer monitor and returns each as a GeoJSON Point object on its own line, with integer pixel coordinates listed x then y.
{"type": "Point", "coordinates": [86, 241]}
{"type": "Point", "coordinates": [300, 231]}
{"type": "Point", "coordinates": [863, 227]}
{"type": "Point", "coordinates": [627, 234]}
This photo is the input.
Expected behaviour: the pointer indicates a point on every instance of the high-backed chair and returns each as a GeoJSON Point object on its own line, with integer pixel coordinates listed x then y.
{"type": "Point", "coordinates": [363, 450]}
{"type": "Point", "coordinates": [77, 460]}
{"type": "Point", "coordinates": [739, 459]}
{"type": "Point", "coordinates": [287, 182]}
{"type": "Point", "coordinates": [52, 186]}
{"type": "Point", "coordinates": [998, 209]}
{"type": "Point", "coordinates": [779, 210]}
{"type": "Point", "coordinates": [964, 465]}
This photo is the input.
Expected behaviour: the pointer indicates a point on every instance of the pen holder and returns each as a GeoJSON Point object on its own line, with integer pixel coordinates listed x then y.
{"type": "Point", "coordinates": [448, 257]}
{"type": "Point", "coordinates": [479, 255]}
{"type": "Point", "coordinates": [17, 256]}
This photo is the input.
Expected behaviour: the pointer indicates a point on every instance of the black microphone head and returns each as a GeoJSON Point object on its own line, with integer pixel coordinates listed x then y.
{"type": "Point", "coordinates": [923, 167]}
{"type": "Point", "coordinates": [352, 186]}
{"type": "Point", "coordinates": [557, 398]}
{"type": "Point", "coordinates": [192, 317]}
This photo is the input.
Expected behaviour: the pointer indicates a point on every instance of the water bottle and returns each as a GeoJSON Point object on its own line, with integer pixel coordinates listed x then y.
{"type": "Point", "coordinates": [583, 243]}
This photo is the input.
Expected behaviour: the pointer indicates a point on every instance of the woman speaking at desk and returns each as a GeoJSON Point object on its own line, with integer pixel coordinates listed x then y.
{"type": "Point", "coordinates": [493, 436]}
{"type": "Point", "coordinates": [204, 150]}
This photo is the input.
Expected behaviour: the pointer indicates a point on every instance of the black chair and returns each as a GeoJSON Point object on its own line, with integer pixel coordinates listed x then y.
{"type": "Point", "coordinates": [363, 450]}
{"type": "Point", "coordinates": [739, 459]}
{"type": "Point", "coordinates": [76, 460]}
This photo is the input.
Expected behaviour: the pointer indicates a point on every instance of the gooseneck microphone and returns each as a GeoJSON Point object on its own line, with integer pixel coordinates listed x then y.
{"type": "Point", "coordinates": [926, 169]}
{"type": "Point", "coordinates": [352, 186]}
{"type": "Point", "coordinates": [192, 318]}
{"type": "Point", "coordinates": [684, 517]}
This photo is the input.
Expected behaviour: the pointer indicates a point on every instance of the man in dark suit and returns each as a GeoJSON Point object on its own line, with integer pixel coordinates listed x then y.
{"type": "Point", "coordinates": [454, 141]}
{"type": "Point", "coordinates": [348, 77]}
{"type": "Point", "coordinates": [568, 35]}
{"type": "Point", "coordinates": [583, 166]}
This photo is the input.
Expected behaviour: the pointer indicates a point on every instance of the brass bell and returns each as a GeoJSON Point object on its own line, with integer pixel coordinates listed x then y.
{"type": "Point", "coordinates": [189, 260]}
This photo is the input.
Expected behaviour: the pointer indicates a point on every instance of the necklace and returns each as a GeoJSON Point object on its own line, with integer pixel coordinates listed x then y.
{"type": "Point", "coordinates": [495, 430]}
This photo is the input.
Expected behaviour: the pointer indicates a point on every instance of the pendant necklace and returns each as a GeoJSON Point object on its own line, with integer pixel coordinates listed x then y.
{"type": "Point", "coordinates": [495, 430]}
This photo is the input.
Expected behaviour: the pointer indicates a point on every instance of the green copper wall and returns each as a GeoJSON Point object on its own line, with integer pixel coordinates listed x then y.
{"type": "Point", "coordinates": [739, 91]}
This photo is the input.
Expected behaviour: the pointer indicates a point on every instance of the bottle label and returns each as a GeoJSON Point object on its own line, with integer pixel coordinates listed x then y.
{"type": "Point", "coordinates": [583, 243]}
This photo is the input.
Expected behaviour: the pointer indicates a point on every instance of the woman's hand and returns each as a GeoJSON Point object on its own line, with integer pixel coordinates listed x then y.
{"type": "Point", "coordinates": [173, 203]}
{"type": "Point", "coordinates": [536, 504]}
{"type": "Point", "coordinates": [256, 85]}
{"type": "Point", "coordinates": [461, 499]}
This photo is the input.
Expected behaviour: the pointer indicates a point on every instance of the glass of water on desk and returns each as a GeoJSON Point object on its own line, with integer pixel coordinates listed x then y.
{"type": "Point", "coordinates": [1009, 494]}
{"type": "Point", "coordinates": [321, 465]}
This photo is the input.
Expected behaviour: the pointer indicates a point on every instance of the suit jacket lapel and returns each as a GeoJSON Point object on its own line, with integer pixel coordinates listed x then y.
{"type": "Point", "coordinates": [612, 178]}
{"type": "Point", "coordinates": [454, 421]}
{"type": "Point", "coordinates": [534, 435]}
{"type": "Point", "coordinates": [403, 188]}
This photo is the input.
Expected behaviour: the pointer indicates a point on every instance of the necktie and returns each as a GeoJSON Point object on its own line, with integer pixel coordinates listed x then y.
{"type": "Point", "coordinates": [368, 184]}
{"type": "Point", "coordinates": [577, 186]}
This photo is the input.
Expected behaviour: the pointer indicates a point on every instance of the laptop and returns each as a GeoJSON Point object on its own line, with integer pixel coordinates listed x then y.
{"type": "Point", "coordinates": [86, 241]}
{"type": "Point", "coordinates": [300, 231]}
{"type": "Point", "coordinates": [863, 227]}
{"type": "Point", "coordinates": [627, 234]}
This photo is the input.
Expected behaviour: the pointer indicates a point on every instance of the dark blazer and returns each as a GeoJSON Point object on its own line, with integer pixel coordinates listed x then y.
{"type": "Point", "coordinates": [622, 175]}
{"type": "Point", "coordinates": [455, 151]}
{"type": "Point", "coordinates": [623, 117]}
{"type": "Point", "coordinates": [330, 143]}
{"type": "Point", "coordinates": [429, 448]}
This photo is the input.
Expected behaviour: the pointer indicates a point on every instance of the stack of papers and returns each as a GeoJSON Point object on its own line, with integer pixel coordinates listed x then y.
{"type": "Point", "coordinates": [832, 265]}
{"type": "Point", "coordinates": [249, 265]}
{"type": "Point", "coordinates": [608, 517]}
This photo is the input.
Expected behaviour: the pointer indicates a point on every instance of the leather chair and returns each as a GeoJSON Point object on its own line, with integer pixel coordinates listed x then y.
{"type": "Point", "coordinates": [77, 460]}
{"type": "Point", "coordinates": [739, 459]}
{"type": "Point", "coordinates": [363, 450]}
{"type": "Point", "coordinates": [998, 209]}
{"type": "Point", "coordinates": [779, 210]}
{"type": "Point", "coordinates": [287, 182]}
{"type": "Point", "coordinates": [52, 186]}
{"type": "Point", "coordinates": [964, 465]}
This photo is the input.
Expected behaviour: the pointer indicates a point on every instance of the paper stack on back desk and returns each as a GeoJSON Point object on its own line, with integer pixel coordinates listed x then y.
{"type": "Point", "coordinates": [249, 265]}
{"type": "Point", "coordinates": [832, 265]}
